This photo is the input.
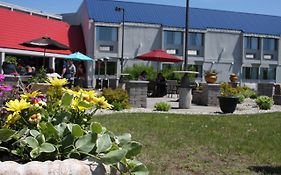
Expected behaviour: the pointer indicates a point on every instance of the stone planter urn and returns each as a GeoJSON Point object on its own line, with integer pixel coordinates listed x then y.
{"type": "Point", "coordinates": [57, 167]}
{"type": "Point", "coordinates": [233, 77]}
{"type": "Point", "coordinates": [211, 77]}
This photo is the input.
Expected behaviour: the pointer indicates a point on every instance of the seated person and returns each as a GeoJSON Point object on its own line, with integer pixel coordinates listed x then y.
{"type": "Point", "coordinates": [143, 76]}
{"type": "Point", "coordinates": [29, 70]}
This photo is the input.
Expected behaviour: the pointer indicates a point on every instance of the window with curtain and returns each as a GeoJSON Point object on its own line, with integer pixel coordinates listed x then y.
{"type": "Point", "coordinates": [251, 43]}
{"type": "Point", "coordinates": [251, 73]}
{"type": "Point", "coordinates": [195, 39]}
{"type": "Point", "coordinates": [173, 38]}
{"type": "Point", "coordinates": [270, 44]}
{"type": "Point", "coordinates": [268, 73]}
{"type": "Point", "coordinates": [107, 33]}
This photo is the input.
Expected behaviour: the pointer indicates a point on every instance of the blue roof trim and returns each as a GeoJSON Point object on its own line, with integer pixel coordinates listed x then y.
{"type": "Point", "coordinates": [173, 16]}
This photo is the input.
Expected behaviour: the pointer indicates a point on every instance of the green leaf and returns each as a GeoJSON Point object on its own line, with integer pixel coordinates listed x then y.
{"type": "Point", "coordinates": [4, 149]}
{"type": "Point", "coordinates": [86, 143]}
{"type": "Point", "coordinates": [47, 148]}
{"type": "Point", "coordinates": [66, 100]}
{"type": "Point", "coordinates": [85, 104]}
{"type": "Point", "coordinates": [32, 142]}
{"type": "Point", "coordinates": [125, 138]}
{"type": "Point", "coordinates": [67, 140]}
{"type": "Point", "coordinates": [50, 131]}
{"type": "Point", "coordinates": [113, 156]}
{"type": "Point", "coordinates": [5, 134]}
{"type": "Point", "coordinates": [96, 127]}
{"type": "Point", "coordinates": [22, 132]}
{"type": "Point", "coordinates": [76, 130]}
{"type": "Point", "coordinates": [61, 129]}
{"type": "Point", "coordinates": [133, 149]}
{"type": "Point", "coordinates": [40, 138]}
{"type": "Point", "coordinates": [34, 153]}
{"type": "Point", "coordinates": [34, 133]}
{"type": "Point", "coordinates": [140, 170]}
{"type": "Point", "coordinates": [103, 143]}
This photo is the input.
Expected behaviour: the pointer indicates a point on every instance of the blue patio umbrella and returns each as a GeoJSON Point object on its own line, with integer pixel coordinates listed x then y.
{"type": "Point", "coordinates": [77, 56]}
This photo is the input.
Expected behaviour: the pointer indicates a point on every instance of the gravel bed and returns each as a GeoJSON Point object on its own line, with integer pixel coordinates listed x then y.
{"type": "Point", "coordinates": [247, 107]}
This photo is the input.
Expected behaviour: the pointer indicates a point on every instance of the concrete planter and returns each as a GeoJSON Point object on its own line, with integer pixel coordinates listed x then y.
{"type": "Point", "coordinates": [57, 167]}
{"type": "Point", "coordinates": [42, 87]}
{"type": "Point", "coordinates": [228, 103]}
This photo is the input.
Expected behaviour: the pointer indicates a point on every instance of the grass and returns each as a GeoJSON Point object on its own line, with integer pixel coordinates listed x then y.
{"type": "Point", "coordinates": [201, 144]}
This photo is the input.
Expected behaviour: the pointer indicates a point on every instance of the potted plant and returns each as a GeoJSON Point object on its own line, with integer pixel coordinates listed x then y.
{"type": "Point", "coordinates": [211, 76]}
{"type": "Point", "coordinates": [228, 98]}
{"type": "Point", "coordinates": [9, 65]}
{"type": "Point", "coordinates": [38, 82]}
{"type": "Point", "coordinates": [233, 77]}
{"type": "Point", "coordinates": [55, 132]}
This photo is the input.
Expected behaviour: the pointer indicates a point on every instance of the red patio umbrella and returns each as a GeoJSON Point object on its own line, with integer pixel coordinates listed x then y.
{"type": "Point", "coordinates": [159, 56]}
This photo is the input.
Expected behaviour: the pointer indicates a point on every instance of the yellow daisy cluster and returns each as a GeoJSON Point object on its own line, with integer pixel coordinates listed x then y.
{"type": "Point", "coordinates": [56, 82]}
{"type": "Point", "coordinates": [27, 96]}
{"type": "Point", "coordinates": [15, 106]}
{"type": "Point", "coordinates": [86, 99]}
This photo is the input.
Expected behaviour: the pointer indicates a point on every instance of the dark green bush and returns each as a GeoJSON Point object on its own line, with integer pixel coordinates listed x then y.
{"type": "Point", "coordinates": [264, 102]}
{"type": "Point", "coordinates": [162, 106]}
{"type": "Point", "coordinates": [169, 74]}
{"type": "Point", "coordinates": [241, 98]}
{"type": "Point", "coordinates": [136, 70]}
{"type": "Point", "coordinates": [119, 98]}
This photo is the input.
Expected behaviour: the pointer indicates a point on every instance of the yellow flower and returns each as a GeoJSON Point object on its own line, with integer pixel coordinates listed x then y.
{"type": "Point", "coordinates": [17, 106]}
{"type": "Point", "coordinates": [102, 103]}
{"type": "Point", "coordinates": [35, 118]}
{"type": "Point", "coordinates": [56, 82]}
{"type": "Point", "coordinates": [76, 105]}
{"type": "Point", "coordinates": [88, 95]}
{"type": "Point", "coordinates": [11, 119]}
{"type": "Point", "coordinates": [33, 94]}
{"type": "Point", "coordinates": [71, 92]}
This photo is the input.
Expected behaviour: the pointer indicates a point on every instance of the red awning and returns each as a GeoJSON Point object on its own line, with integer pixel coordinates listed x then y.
{"type": "Point", "coordinates": [18, 27]}
{"type": "Point", "coordinates": [159, 56]}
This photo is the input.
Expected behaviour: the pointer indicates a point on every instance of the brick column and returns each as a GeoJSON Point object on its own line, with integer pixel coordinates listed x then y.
{"type": "Point", "coordinates": [137, 91]}
{"type": "Point", "coordinates": [210, 94]}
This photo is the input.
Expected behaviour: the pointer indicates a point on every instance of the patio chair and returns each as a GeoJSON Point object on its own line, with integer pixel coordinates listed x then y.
{"type": "Point", "coordinates": [172, 88]}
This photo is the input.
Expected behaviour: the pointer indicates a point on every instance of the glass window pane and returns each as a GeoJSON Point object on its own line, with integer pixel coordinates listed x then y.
{"type": "Point", "coordinates": [254, 43]}
{"type": "Point", "coordinates": [195, 39]}
{"type": "Point", "coordinates": [107, 34]}
{"type": "Point", "coordinates": [178, 38]}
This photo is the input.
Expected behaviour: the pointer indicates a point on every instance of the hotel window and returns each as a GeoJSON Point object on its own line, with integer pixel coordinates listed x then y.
{"type": "Point", "coordinates": [195, 39]}
{"type": "Point", "coordinates": [251, 73]}
{"type": "Point", "coordinates": [107, 33]}
{"type": "Point", "coordinates": [251, 43]}
{"type": "Point", "coordinates": [270, 44]}
{"type": "Point", "coordinates": [268, 73]}
{"type": "Point", "coordinates": [111, 68]}
{"type": "Point", "coordinates": [173, 38]}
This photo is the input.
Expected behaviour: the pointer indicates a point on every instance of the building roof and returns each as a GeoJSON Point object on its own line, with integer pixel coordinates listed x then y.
{"type": "Point", "coordinates": [18, 27]}
{"type": "Point", "coordinates": [174, 16]}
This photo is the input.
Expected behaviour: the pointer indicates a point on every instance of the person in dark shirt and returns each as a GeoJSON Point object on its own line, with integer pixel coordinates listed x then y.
{"type": "Point", "coordinates": [161, 87]}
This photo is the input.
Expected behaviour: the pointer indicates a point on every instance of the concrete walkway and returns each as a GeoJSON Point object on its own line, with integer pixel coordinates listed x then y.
{"type": "Point", "coordinates": [195, 109]}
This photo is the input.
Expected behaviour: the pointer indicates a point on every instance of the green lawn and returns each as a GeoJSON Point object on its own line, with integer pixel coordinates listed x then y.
{"type": "Point", "coordinates": [202, 144]}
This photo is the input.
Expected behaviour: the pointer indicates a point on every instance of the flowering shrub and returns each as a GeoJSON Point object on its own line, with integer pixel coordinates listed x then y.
{"type": "Point", "coordinates": [4, 90]}
{"type": "Point", "coordinates": [59, 125]}
{"type": "Point", "coordinates": [227, 90]}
